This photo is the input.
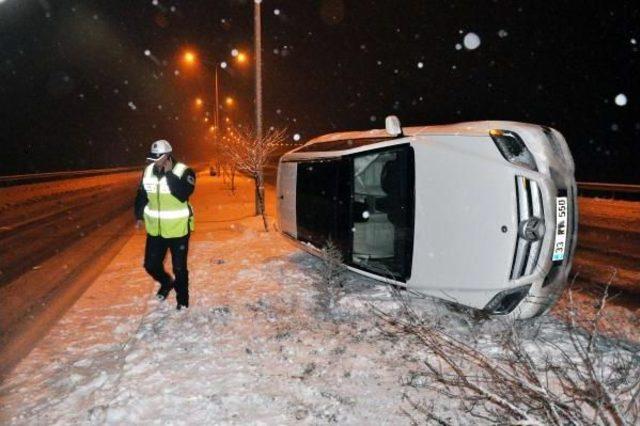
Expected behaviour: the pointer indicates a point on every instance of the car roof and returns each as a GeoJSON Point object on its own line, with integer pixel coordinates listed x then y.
{"type": "Point", "coordinates": [469, 128]}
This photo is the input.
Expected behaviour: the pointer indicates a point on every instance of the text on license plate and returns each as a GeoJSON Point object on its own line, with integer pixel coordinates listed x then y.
{"type": "Point", "coordinates": [560, 242]}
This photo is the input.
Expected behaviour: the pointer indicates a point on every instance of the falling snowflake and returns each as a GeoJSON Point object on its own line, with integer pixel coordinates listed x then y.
{"type": "Point", "coordinates": [634, 41]}
{"type": "Point", "coordinates": [223, 65]}
{"type": "Point", "coordinates": [147, 52]}
{"type": "Point", "coordinates": [458, 46]}
{"type": "Point", "coordinates": [420, 65]}
{"type": "Point", "coordinates": [276, 12]}
{"type": "Point", "coordinates": [502, 33]}
{"type": "Point", "coordinates": [372, 118]}
{"type": "Point", "coordinates": [296, 137]}
{"type": "Point", "coordinates": [234, 52]}
{"type": "Point", "coordinates": [471, 41]}
{"type": "Point", "coordinates": [132, 106]}
{"type": "Point", "coordinates": [621, 99]}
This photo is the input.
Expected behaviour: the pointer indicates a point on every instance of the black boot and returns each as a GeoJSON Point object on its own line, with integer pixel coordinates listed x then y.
{"type": "Point", "coordinates": [164, 291]}
{"type": "Point", "coordinates": [182, 299]}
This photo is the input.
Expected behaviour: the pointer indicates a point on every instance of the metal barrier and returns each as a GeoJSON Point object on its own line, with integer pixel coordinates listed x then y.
{"type": "Point", "coordinates": [44, 177]}
{"type": "Point", "coordinates": [615, 191]}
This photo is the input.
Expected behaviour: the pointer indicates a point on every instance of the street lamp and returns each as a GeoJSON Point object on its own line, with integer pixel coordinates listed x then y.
{"type": "Point", "coordinates": [190, 58]}
{"type": "Point", "coordinates": [257, 34]}
{"type": "Point", "coordinates": [241, 58]}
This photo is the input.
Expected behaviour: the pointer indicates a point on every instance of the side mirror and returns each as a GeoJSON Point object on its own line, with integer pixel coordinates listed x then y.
{"type": "Point", "coordinates": [392, 126]}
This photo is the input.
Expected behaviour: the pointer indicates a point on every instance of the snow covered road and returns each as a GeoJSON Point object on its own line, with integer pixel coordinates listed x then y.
{"type": "Point", "coordinates": [56, 237]}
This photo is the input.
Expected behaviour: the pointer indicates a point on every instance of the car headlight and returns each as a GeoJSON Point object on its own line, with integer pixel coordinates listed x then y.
{"type": "Point", "coordinates": [513, 148]}
{"type": "Point", "coordinates": [506, 301]}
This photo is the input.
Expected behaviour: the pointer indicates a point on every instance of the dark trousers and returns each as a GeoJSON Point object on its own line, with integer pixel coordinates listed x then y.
{"type": "Point", "coordinates": [154, 254]}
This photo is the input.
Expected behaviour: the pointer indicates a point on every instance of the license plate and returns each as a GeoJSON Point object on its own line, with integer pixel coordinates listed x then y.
{"type": "Point", "coordinates": [560, 243]}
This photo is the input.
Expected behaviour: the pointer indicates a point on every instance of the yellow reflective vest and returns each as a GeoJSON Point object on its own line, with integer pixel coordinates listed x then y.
{"type": "Point", "coordinates": [164, 214]}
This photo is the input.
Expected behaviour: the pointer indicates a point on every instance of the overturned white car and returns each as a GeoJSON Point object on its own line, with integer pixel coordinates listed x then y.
{"type": "Point", "coordinates": [482, 214]}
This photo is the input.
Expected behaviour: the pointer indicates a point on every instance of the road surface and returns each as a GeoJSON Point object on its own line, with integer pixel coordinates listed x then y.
{"type": "Point", "coordinates": [55, 238]}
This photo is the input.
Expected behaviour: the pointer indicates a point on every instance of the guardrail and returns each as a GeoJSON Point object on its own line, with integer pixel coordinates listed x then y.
{"type": "Point", "coordinates": [44, 177]}
{"type": "Point", "coordinates": [609, 190]}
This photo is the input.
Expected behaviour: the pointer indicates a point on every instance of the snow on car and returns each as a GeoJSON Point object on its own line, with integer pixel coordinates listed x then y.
{"type": "Point", "coordinates": [482, 214]}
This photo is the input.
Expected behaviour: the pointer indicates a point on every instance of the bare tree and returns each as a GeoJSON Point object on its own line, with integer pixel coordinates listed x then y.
{"type": "Point", "coordinates": [228, 168]}
{"type": "Point", "coordinates": [250, 153]}
{"type": "Point", "coordinates": [575, 377]}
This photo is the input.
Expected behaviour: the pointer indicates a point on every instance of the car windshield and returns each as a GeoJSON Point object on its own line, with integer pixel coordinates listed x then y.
{"type": "Point", "coordinates": [364, 204]}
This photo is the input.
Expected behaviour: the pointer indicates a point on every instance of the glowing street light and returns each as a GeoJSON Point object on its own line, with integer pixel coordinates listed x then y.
{"type": "Point", "coordinates": [241, 58]}
{"type": "Point", "coordinates": [189, 58]}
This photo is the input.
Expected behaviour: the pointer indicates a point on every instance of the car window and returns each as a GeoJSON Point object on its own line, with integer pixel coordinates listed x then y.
{"type": "Point", "coordinates": [340, 145]}
{"type": "Point", "coordinates": [383, 212]}
{"type": "Point", "coordinates": [323, 191]}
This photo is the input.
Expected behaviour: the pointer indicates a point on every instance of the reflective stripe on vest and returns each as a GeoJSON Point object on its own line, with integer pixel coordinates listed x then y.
{"type": "Point", "coordinates": [164, 214]}
{"type": "Point", "coordinates": [171, 214]}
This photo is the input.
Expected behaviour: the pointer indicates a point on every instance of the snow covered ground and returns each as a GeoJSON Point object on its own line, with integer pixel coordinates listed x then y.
{"type": "Point", "coordinates": [257, 346]}
{"type": "Point", "coordinates": [254, 347]}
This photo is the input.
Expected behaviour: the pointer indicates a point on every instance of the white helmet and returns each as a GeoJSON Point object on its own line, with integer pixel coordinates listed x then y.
{"type": "Point", "coordinates": [158, 149]}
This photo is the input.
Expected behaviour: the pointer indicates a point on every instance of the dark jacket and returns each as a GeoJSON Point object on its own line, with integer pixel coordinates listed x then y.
{"type": "Point", "coordinates": [180, 187]}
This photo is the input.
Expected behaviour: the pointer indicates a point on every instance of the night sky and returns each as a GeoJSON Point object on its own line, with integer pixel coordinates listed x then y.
{"type": "Point", "coordinates": [77, 90]}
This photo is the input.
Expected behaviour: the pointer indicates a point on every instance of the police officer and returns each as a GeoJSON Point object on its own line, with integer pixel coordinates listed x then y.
{"type": "Point", "coordinates": [162, 205]}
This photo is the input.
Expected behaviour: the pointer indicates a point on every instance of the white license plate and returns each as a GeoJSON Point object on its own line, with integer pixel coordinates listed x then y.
{"type": "Point", "coordinates": [559, 246]}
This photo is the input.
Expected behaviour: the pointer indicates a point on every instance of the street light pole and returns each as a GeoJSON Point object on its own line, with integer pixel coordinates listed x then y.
{"type": "Point", "coordinates": [258, 52]}
{"type": "Point", "coordinates": [217, 124]}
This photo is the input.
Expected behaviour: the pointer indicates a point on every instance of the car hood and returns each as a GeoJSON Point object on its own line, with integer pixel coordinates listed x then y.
{"type": "Point", "coordinates": [465, 217]}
